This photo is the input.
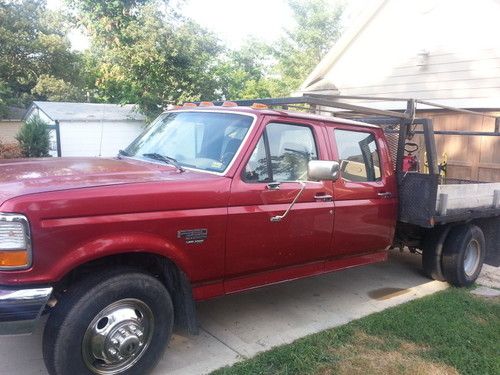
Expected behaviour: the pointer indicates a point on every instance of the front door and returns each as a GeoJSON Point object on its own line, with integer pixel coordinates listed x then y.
{"type": "Point", "coordinates": [261, 249]}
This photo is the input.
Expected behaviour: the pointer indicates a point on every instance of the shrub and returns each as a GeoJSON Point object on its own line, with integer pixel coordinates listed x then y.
{"type": "Point", "coordinates": [10, 151]}
{"type": "Point", "coordinates": [34, 138]}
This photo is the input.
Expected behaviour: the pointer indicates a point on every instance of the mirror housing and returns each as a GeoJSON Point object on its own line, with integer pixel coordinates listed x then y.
{"type": "Point", "coordinates": [323, 170]}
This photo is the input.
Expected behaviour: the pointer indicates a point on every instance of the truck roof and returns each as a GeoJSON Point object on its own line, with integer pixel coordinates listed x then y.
{"type": "Point", "coordinates": [276, 112]}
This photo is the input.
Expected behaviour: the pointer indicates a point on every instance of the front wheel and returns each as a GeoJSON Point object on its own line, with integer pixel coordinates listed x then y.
{"type": "Point", "coordinates": [463, 255]}
{"type": "Point", "coordinates": [114, 323]}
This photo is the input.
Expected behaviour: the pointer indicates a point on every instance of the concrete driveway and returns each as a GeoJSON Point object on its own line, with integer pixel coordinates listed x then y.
{"type": "Point", "coordinates": [239, 326]}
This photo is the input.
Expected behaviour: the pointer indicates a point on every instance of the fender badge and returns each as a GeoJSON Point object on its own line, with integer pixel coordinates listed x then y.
{"type": "Point", "coordinates": [193, 235]}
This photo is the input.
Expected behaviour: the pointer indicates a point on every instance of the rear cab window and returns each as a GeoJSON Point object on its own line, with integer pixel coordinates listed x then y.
{"type": "Point", "coordinates": [358, 155]}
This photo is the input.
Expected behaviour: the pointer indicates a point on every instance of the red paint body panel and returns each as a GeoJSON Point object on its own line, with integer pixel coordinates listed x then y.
{"type": "Point", "coordinates": [364, 221]}
{"type": "Point", "coordinates": [82, 209]}
{"type": "Point", "coordinates": [77, 225]}
{"type": "Point", "coordinates": [280, 244]}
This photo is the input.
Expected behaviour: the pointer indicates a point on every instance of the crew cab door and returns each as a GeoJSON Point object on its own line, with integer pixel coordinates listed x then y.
{"type": "Point", "coordinates": [365, 194]}
{"type": "Point", "coordinates": [264, 187]}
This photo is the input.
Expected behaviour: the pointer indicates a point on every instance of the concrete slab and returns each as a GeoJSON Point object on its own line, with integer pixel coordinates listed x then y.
{"type": "Point", "coordinates": [240, 326]}
{"type": "Point", "coordinates": [484, 291]}
{"type": "Point", "coordinates": [490, 276]}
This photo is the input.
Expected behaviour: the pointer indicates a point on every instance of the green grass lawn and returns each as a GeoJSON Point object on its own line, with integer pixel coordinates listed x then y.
{"type": "Point", "coordinates": [449, 332]}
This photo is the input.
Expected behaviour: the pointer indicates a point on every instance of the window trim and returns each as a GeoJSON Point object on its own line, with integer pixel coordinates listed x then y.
{"type": "Point", "coordinates": [268, 150]}
{"type": "Point", "coordinates": [375, 139]}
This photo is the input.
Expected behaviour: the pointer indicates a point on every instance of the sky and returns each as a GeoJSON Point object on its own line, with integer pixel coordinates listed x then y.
{"type": "Point", "coordinates": [236, 20]}
{"type": "Point", "coordinates": [232, 20]}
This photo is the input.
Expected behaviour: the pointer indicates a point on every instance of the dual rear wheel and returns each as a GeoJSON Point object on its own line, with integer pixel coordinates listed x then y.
{"type": "Point", "coordinates": [454, 254]}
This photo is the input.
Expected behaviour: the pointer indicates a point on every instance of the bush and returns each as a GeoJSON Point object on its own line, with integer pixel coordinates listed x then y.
{"type": "Point", "coordinates": [10, 151]}
{"type": "Point", "coordinates": [34, 138]}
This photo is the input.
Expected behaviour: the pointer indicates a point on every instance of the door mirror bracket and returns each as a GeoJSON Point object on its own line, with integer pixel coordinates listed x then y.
{"type": "Point", "coordinates": [323, 170]}
{"type": "Point", "coordinates": [278, 218]}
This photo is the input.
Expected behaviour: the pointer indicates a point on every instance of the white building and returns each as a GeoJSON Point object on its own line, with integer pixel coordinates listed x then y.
{"type": "Point", "coordinates": [439, 50]}
{"type": "Point", "coordinates": [444, 51]}
{"type": "Point", "coordinates": [89, 129]}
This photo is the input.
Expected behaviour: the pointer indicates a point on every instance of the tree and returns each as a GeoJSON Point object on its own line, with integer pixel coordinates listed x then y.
{"type": "Point", "coordinates": [144, 53]}
{"type": "Point", "coordinates": [242, 73]}
{"type": "Point", "coordinates": [5, 95]}
{"type": "Point", "coordinates": [317, 28]}
{"type": "Point", "coordinates": [34, 138]}
{"type": "Point", "coordinates": [260, 70]}
{"type": "Point", "coordinates": [34, 44]}
{"type": "Point", "coordinates": [56, 89]}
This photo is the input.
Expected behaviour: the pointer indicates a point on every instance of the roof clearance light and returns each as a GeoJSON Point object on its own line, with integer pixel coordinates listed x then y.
{"type": "Point", "coordinates": [206, 104]}
{"type": "Point", "coordinates": [259, 106]}
{"type": "Point", "coordinates": [229, 104]}
{"type": "Point", "coordinates": [189, 105]}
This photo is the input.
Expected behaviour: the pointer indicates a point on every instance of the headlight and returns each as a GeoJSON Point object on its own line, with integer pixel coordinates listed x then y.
{"type": "Point", "coordinates": [15, 242]}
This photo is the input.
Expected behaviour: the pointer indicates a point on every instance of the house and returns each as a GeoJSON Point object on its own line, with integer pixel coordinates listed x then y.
{"type": "Point", "coordinates": [10, 125]}
{"type": "Point", "coordinates": [88, 129]}
{"type": "Point", "coordinates": [444, 51]}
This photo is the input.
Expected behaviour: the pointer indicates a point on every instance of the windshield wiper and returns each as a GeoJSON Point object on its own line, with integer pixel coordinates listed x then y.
{"type": "Point", "coordinates": [165, 159]}
{"type": "Point", "coordinates": [123, 153]}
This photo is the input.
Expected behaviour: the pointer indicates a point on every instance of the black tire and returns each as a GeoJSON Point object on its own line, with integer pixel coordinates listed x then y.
{"type": "Point", "coordinates": [68, 322]}
{"type": "Point", "coordinates": [455, 252]}
{"type": "Point", "coordinates": [432, 251]}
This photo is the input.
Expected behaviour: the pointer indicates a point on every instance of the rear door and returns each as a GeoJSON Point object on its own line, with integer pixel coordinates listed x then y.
{"type": "Point", "coordinates": [264, 187]}
{"type": "Point", "coordinates": [365, 194]}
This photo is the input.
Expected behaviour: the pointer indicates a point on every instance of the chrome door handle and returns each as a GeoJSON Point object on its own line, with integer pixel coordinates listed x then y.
{"type": "Point", "coordinates": [385, 194]}
{"type": "Point", "coordinates": [323, 198]}
{"type": "Point", "coordinates": [273, 186]}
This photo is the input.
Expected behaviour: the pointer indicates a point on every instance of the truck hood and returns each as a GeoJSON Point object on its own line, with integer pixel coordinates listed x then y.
{"type": "Point", "coordinates": [29, 176]}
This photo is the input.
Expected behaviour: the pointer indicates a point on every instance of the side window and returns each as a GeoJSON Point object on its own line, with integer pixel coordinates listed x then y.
{"type": "Point", "coordinates": [359, 156]}
{"type": "Point", "coordinates": [290, 147]}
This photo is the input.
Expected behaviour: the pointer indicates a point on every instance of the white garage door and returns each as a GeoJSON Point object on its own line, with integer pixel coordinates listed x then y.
{"type": "Point", "coordinates": [96, 138]}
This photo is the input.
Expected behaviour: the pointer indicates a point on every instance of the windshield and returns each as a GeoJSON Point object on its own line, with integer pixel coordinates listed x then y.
{"type": "Point", "coordinates": [201, 140]}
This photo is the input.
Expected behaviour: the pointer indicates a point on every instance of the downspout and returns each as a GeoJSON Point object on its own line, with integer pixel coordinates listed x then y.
{"type": "Point", "coordinates": [58, 139]}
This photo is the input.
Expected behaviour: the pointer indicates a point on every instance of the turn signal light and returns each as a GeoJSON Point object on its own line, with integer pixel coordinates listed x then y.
{"type": "Point", "coordinates": [14, 259]}
{"type": "Point", "coordinates": [189, 105]}
{"type": "Point", "coordinates": [229, 104]}
{"type": "Point", "coordinates": [259, 106]}
{"type": "Point", "coordinates": [206, 104]}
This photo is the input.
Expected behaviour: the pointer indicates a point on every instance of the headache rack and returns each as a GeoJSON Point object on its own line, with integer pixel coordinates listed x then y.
{"type": "Point", "coordinates": [426, 199]}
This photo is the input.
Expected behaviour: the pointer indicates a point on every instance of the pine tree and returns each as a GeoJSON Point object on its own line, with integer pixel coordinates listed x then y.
{"type": "Point", "coordinates": [34, 138]}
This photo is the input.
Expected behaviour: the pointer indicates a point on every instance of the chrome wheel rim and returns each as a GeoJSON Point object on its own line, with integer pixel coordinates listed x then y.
{"type": "Point", "coordinates": [471, 259]}
{"type": "Point", "coordinates": [118, 337]}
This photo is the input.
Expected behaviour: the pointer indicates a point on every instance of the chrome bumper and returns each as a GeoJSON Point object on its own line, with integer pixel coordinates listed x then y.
{"type": "Point", "coordinates": [20, 309]}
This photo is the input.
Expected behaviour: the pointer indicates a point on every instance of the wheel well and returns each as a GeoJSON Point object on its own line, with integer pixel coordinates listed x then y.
{"type": "Point", "coordinates": [174, 279]}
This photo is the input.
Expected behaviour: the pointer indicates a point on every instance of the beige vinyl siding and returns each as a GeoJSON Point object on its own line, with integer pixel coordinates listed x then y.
{"type": "Point", "coordinates": [8, 130]}
{"type": "Point", "coordinates": [427, 49]}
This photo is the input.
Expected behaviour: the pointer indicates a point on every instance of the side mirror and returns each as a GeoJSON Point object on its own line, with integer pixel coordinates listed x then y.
{"type": "Point", "coordinates": [323, 170]}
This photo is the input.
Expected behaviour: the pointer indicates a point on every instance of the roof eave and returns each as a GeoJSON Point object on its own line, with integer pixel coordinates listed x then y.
{"type": "Point", "coordinates": [342, 45]}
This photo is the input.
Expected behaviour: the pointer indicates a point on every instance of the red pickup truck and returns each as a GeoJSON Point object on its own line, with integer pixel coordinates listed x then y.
{"type": "Point", "coordinates": [208, 201]}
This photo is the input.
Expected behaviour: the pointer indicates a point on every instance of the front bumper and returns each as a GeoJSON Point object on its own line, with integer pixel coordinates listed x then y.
{"type": "Point", "coordinates": [20, 309]}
